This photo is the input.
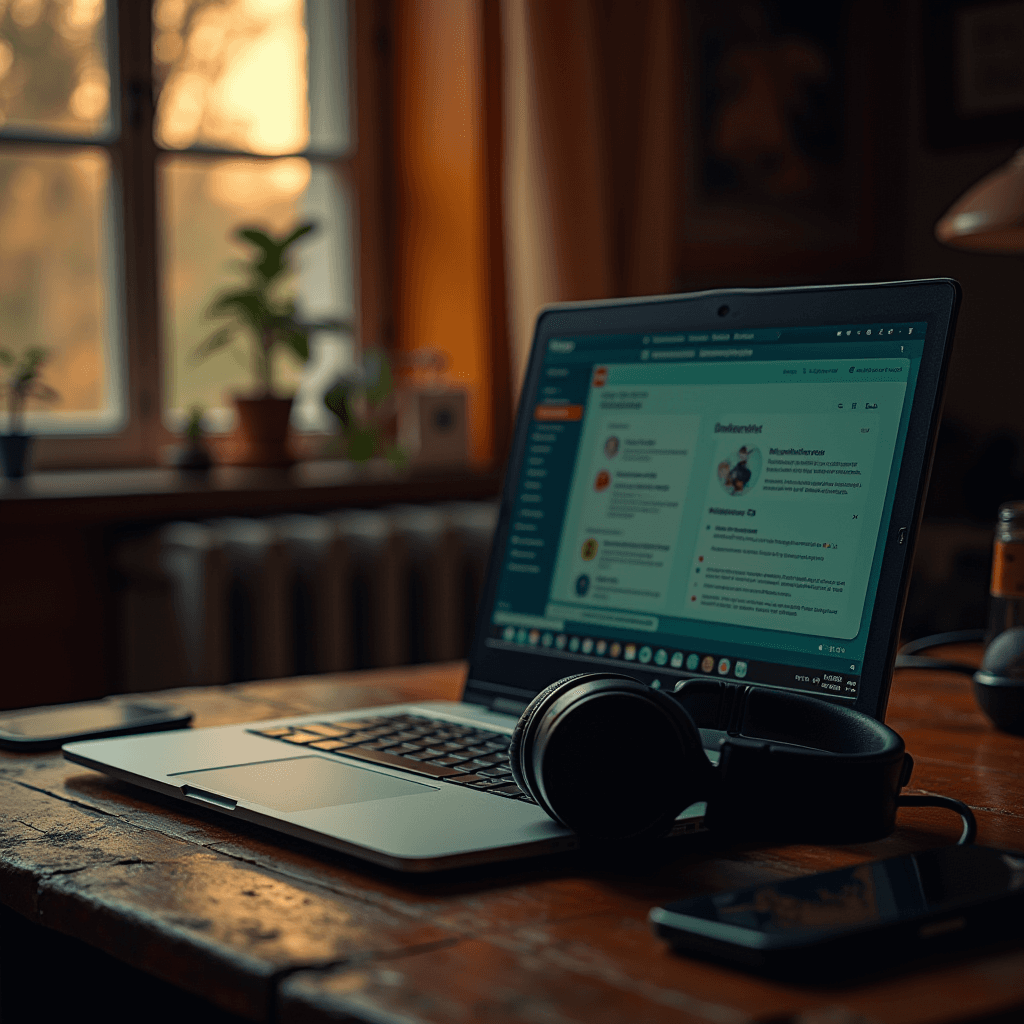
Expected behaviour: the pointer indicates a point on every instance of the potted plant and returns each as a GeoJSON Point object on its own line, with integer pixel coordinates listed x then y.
{"type": "Point", "coordinates": [364, 402]}
{"type": "Point", "coordinates": [22, 384]}
{"type": "Point", "coordinates": [264, 310]}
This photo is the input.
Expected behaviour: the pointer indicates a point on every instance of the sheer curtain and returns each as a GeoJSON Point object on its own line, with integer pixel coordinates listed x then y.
{"type": "Point", "coordinates": [593, 118]}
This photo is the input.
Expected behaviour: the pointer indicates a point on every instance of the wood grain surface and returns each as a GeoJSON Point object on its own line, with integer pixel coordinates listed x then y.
{"type": "Point", "coordinates": [268, 927]}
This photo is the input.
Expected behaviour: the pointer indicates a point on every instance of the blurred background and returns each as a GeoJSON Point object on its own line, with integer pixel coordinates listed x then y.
{"type": "Point", "coordinates": [465, 161]}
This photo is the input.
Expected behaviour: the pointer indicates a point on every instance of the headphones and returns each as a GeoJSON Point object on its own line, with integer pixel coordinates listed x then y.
{"type": "Point", "coordinates": [613, 759]}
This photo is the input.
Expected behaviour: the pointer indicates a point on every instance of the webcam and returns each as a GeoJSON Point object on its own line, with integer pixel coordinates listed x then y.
{"type": "Point", "coordinates": [723, 310]}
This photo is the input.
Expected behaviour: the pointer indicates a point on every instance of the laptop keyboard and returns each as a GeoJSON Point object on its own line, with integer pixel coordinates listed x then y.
{"type": "Point", "coordinates": [461, 754]}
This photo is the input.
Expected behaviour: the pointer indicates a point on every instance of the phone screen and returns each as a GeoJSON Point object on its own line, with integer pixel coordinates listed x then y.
{"type": "Point", "coordinates": [78, 719]}
{"type": "Point", "coordinates": [875, 893]}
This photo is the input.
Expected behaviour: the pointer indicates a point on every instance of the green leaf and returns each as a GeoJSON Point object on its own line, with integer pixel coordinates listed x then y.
{"type": "Point", "coordinates": [396, 456]}
{"type": "Point", "coordinates": [270, 264]}
{"type": "Point", "coordinates": [298, 341]}
{"type": "Point", "coordinates": [214, 342]}
{"type": "Point", "coordinates": [337, 401]}
{"type": "Point", "coordinates": [43, 392]}
{"type": "Point", "coordinates": [362, 442]}
{"type": "Point", "coordinates": [249, 306]}
{"type": "Point", "coordinates": [302, 229]}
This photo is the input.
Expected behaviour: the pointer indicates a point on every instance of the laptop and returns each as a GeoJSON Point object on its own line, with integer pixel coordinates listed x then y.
{"type": "Point", "coordinates": [724, 483]}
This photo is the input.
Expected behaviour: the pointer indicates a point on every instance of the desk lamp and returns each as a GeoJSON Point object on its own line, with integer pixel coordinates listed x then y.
{"type": "Point", "coordinates": [989, 217]}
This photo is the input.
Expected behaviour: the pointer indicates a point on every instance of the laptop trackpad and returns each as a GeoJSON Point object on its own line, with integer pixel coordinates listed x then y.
{"type": "Point", "coordinates": [301, 783]}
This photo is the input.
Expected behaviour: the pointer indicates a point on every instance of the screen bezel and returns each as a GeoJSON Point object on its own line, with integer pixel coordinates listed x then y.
{"type": "Point", "coordinates": [496, 676]}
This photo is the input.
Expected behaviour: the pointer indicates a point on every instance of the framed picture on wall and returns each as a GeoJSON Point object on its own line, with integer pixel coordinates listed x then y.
{"type": "Point", "coordinates": [974, 72]}
{"type": "Point", "coordinates": [784, 170]}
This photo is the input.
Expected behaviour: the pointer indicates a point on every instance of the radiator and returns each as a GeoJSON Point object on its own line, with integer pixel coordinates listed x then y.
{"type": "Point", "coordinates": [235, 599]}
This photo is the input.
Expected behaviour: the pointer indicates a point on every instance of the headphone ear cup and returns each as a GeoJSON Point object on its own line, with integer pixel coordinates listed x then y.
{"type": "Point", "coordinates": [610, 758]}
{"type": "Point", "coordinates": [541, 701]}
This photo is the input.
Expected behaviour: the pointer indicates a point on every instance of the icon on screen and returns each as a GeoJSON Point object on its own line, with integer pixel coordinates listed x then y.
{"type": "Point", "coordinates": [587, 645]}
{"type": "Point", "coordinates": [574, 644]}
{"type": "Point", "coordinates": [724, 664]}
{"type": "Point", "coordinates": [601, 647]}
{"type": "Point", "coordinates": [630, 652]}
{"type": "Point", "coordinates": [677, 660]}
{"type": "Point", "coordinates": [645, 655]}
{"type": "Point", "coordinates": [741, 670]}
{"type": "Point", "coordinates": [707, 666]}
{"type": "Point", "coordinates": [660, 656]}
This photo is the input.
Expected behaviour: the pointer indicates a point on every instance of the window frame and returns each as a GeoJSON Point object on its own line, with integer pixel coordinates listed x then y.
{"type": "Point", "coordinates": [135, 275]}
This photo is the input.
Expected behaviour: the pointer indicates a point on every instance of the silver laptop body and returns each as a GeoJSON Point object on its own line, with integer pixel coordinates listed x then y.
{"type": "Point", "coordinates": [645, 449]}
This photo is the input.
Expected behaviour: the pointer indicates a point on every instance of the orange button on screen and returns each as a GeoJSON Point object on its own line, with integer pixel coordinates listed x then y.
{"type": "Point", "coordinates": [558, 412]}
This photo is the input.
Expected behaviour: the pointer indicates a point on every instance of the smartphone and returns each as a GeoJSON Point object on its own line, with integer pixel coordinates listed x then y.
{"type": "Point", "coordinates": [47, 728]}
{"type": "Point", "coordinates": [837, 925]}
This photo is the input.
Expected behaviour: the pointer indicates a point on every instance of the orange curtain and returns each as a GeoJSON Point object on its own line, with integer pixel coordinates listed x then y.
{"type": "Point", "coordinates": [441, 225]}
{"type": "Point", "coordinates": [592, 127]}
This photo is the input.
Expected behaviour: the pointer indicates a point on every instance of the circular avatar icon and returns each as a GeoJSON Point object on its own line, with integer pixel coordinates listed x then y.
{"type": "Point", "coordinates": [509, 634]}
{"type": "Point", "coordinates": [600, 647]}
{"type": "Point", "coordinates": [677, 660]}
{"type": "Point", "coordinates": [660, 656]}
{"type": "Point", "coordinates": [615, 649]}
{"type": "Point", "coordinates": [724, 664]}
{"type": "Point", "coordinates": [739, 471]}
{"type": "Point", "coordinates": [588, 645]}
{"type": "Point", "coordinates": [574, 644]}
{"type": "Point", "coordinates": [534, 636]}
{"type": "Point", "coordinates": [692, 662]}
{"type": "Point", "coordinates": [582, 584]}
{"type": "Point", "coordinates": [611, 447]}
{"type": "Point", "coordinates": [547, 640]}
{"type": "Point", "coordinates": [603, 480]}
{"type": "Point", "coordinates": [707, 666]}
{"type": "Point", "coordinates": [560, 641]}
{"type": "Point", "coordinates": [644, 655]}
{"type": "Point", "coordinates": [589, 549]}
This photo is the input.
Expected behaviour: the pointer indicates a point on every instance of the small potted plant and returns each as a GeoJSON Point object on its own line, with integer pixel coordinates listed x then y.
{"type": "Point", "coordinates": [264, 310]}
{"type": "Point", "coordinates": [364, 402]}
{"type": "Point", "coordinates": [22, 383]}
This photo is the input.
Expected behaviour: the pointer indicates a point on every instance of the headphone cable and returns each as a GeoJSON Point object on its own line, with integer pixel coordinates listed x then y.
{"type": "Point", "coordinates": [970, 831]}
{"type": "Point", "coordinates": [905, 657]}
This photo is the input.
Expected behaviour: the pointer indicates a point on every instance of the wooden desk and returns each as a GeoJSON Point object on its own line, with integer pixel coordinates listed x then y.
{"type": "Point", "coordinates": [269, 928]}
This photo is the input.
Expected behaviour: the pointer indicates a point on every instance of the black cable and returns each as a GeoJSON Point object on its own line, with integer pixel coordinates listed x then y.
{"type": "Point", "coordinates": [905, 658]}
{"type": "Point", "coordinates": [966, 814]}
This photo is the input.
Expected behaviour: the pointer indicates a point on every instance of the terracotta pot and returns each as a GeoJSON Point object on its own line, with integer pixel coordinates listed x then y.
{"type": "Point", "coordinates": [261, 436]}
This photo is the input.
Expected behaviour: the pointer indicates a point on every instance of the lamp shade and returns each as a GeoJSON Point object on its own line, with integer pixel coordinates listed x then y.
{"type": "Point", "coordinates": [989, 216]}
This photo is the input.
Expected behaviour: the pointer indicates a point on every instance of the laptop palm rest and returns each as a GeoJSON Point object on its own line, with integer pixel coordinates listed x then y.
{"type": "Point", "coordinates": [295, 784]}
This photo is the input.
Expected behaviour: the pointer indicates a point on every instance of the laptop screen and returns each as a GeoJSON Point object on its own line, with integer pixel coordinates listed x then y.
{"type": "Point", "coordinates": [708, 503]}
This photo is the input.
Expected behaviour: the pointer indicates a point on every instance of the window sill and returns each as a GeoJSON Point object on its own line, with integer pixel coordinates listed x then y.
{"type": "Point", "coordinates": [134, 495]}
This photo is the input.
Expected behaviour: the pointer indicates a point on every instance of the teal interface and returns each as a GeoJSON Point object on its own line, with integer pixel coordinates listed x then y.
{"type": "Point", "coordinates": [710, 502]}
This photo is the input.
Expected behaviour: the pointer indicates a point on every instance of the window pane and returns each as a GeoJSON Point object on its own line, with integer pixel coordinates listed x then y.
{"type": "Point", "coordinates": [329, 82]}
{"type": "Point", "coordinates": [56, 282]}
{"type": "Point", "coordinates": [54, 74]}
{"type": "Point", "coordinates": [203, 202]}
{"type": "Point", "coordinates": [231, 74]}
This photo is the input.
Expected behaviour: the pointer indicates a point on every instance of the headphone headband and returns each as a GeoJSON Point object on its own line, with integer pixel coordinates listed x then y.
{"type": "Point", "coordinates": [610, 757]}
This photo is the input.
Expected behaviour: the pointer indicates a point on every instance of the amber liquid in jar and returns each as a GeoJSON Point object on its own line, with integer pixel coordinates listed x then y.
{"type": "Point", "coordinates": [1006, 609]}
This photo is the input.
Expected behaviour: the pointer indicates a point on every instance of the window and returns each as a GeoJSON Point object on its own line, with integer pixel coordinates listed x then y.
{"type": "Point", "coordinates": [134, 139]}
